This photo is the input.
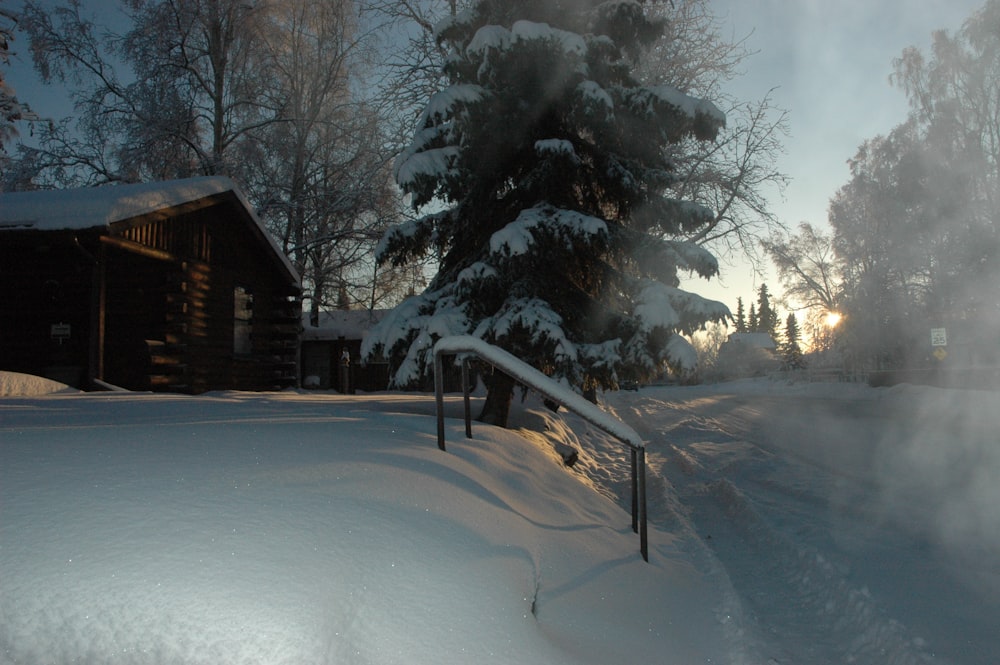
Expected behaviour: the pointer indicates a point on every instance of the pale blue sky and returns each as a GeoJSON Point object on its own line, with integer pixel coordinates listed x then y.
{"type": "Point", "coordinates": [828, 62]}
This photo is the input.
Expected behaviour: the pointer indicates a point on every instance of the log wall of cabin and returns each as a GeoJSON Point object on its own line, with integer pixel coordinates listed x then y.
{"type": "Point", "coordinates": [135, 288]}
{"type": "Point", "coordinates": [150, 304]}
{"type": "Point", "coordinates": [214, 254]}
{"type": "Point", "coordinates": [46, 280]}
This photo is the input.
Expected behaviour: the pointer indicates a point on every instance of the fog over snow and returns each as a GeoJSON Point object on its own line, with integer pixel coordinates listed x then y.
{"type": "Point", "coordinates": [790, 523]}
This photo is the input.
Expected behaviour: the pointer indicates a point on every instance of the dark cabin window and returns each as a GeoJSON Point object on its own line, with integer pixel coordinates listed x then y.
{"type": "Point", "coordinates": [242, 321]}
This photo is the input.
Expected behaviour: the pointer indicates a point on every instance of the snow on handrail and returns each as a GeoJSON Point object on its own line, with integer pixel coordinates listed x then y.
{"type": "Point", "coordinates": [528, 376]}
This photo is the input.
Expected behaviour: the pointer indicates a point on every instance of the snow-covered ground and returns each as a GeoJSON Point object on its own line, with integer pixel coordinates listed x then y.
{"type": "Point", "coordinates": [15, 384]}
{"type": "Point", "coordinates": [848, 524]}
{"type": "Point", "coordinates": [789, 524]}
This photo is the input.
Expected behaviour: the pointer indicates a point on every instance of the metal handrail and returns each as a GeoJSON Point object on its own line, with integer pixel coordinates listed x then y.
{"type": "Point", "coordinates": [527, 375]}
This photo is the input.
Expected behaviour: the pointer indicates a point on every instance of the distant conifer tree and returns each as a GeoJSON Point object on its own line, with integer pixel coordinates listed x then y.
{"type": "Point", "coordinates": [767, 316]}
{"type": "Point", "coordinates": [791, 352]}
{"type": "Point", "coordinates": [741, 317]}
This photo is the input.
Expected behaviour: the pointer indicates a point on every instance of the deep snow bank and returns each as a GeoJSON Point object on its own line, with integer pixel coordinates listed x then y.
{"type": "Point", "coordinates": [305, 529]}
{"type": "Point", "coordinates": [14, 384]}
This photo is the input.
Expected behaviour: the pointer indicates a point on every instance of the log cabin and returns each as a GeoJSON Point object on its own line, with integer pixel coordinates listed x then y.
{"type": "Point", "coordinates": [169, 286]}
{"type": "Point", "coordinates": [331, 352]}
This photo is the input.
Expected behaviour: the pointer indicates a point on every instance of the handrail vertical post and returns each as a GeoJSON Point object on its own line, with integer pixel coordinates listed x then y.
{"type": "Point", "coordinates": [439, 397]}
{"type": "Point", "coordinates": [643, 540]}
{"type": "Point", "coordinates": [534, 379]}
{"type": "Point", "coordinates": [635, 491]}
{"type": "Point", "coordinates": [466, 388]}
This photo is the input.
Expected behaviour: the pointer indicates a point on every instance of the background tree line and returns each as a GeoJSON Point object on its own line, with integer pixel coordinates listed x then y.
{"type": "Point", "coordinates": [914, 240]}
{"type": "Point", "coordinates": [763, 317]}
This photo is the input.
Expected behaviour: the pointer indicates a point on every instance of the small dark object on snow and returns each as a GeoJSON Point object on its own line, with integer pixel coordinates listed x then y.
{"type": "Point", "coordinates": [569, 454]}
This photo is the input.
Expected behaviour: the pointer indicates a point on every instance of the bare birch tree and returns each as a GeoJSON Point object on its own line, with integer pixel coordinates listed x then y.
{"type": "Point", "coordinates": [737, 174]}
{"type": "Point", "coordinates": [268, 93]}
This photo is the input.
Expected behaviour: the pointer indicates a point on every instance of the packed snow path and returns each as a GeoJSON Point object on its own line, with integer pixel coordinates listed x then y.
{"type": "Point", "coordinates": [850, 528]}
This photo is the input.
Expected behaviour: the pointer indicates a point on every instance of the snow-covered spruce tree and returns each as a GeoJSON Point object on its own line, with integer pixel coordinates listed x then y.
{"type": "Point", "coordinates": [791, 352]}
{"type": "Point", "coordinates": [557, 234]}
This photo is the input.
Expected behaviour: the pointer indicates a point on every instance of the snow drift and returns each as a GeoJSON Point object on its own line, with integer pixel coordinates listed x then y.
{"type": "Point", "coordinates": [238, 528]}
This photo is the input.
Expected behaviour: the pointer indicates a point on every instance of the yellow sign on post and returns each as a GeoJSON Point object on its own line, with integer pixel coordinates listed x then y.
{"type": "Point", "coordinates": [940, 353]}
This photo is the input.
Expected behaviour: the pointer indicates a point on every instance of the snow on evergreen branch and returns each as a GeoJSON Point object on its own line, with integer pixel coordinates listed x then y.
{"type": "Point", "coordinates": [694, 257]}
{"type": "Point", "coordinates": [477, 272]}
{"type": "Point", "coordinates": [448, 319]}
{"type": "Point", "coordinates": [399, 325]}
{"type": "Point", "coordinates": [517, 238]}
{"type": "Point", "coordinates": [538, 320]}
{"type": "Point", "coordinates": [690, 106]}
{"type": "Point", "coordinates": [594, 100]}
{"type": "Point", "coordinates": [489, 38]}
{"type": "Point", "coordinates": [570, 42]}
{"type": "Point", "coordinates": [681, 354]}
{"type": "Point", "coordinates": [434, 165]}
{"type": "Point", "coordinates": [462, 19]}
{"type": "Point", "coordinates": [653, 308]}
{"type": "Point", "coordinates": [444, 104]}
{"type": "Point", "coordinates": [560, 147]}
{"type": "Point", "coordinates": [697, 117]}
{"type": "Point", "coordinates": [413, 326]}
{"type": "Point", "coordinates": [681, 254]}
{"type": "Point", "coordinates": [499, 39]}
{"type": "Point", "coordinates": [409, 239]}
{"type": "Point", "coordinates": [601, 357]}
{"type": "Point", "coordinates": [660, 306]}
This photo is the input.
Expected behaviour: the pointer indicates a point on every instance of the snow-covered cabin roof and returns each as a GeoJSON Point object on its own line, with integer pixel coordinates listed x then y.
{"type": "Point", "coordinates": [101, 207]}
{"type": "Point", "coordinates": [350, 324]}
{"type": "Point", "coordinates": [756, 340]}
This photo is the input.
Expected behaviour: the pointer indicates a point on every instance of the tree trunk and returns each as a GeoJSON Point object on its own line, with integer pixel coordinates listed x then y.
{"type": "Point", "coordinates": [499, 394]}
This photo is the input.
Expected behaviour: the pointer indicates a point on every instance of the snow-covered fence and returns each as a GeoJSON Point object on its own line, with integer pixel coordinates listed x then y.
{"type": "Point", "coordinates": [530, 377]}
